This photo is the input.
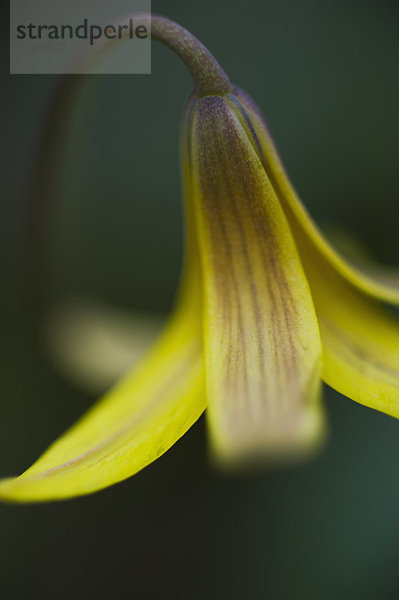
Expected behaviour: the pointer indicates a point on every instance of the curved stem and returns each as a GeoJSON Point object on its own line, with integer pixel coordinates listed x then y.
{"type": "Point", "coordinates": [209, 77]}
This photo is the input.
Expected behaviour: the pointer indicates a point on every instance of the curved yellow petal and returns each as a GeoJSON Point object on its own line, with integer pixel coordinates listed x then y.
{"type": "Point", "coordinates": [374, 283]}
{"type": "Point", "coordinates": [360, 338]}
{"type": "Point", "coordinates": [93, 344]}
{"type": "Point", "coordinates": [135, 423]}
{"type": "Point", "coordinates": [261, 340]}
{"type": "Point", "coordinates": [138, 420]}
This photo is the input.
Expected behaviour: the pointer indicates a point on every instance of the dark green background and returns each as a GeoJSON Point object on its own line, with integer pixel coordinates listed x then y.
{"type": "Point", "coordinates": [326, 75]}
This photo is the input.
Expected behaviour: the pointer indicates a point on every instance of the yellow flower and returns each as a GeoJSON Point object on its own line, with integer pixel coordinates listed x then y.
{"type": "Point", "coordinates": [266, 310]}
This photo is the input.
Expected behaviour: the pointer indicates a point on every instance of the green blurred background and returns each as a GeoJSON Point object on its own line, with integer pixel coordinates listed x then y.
{"type": "Point", "coordinates": [326, 75]}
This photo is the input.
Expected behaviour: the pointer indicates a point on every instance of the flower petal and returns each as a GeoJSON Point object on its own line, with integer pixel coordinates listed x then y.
{"type": "Point", "coordinates": [261, 340]}
{"type": "Point", "coordinates": [360, 338]}
{"type": "Point", "coordinates": [135, 423]}
{"type": "Point", "coordinates": [140, 418]}
{"type": "Point", "coordinates": [373, 282]}
{"type": "Point", "coordinates": [93, 344]}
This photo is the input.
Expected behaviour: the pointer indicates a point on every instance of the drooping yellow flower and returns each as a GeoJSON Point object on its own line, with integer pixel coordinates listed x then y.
{"type": "Point", "coordinates": [266, 310]}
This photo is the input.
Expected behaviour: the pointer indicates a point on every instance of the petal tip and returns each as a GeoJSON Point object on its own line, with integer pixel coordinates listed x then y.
{"type": "Point", "coordinates": [280, 442]}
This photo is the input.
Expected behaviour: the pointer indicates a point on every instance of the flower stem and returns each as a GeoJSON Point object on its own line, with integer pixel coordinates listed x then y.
{"type": "Point", "coordinates": [209, 77]}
